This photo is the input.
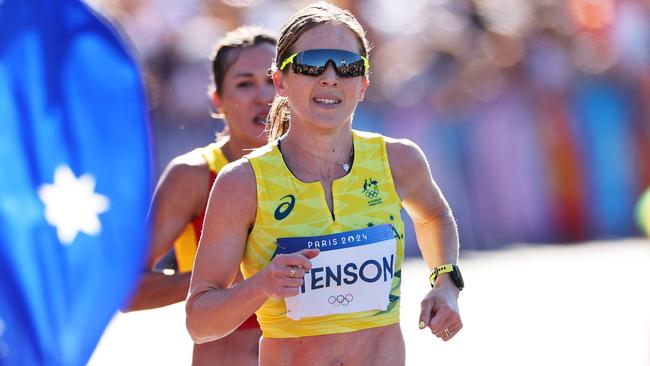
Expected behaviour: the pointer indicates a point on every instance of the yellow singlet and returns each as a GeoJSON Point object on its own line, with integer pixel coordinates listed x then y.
{"type": "Point", "coordinates": [185, 245]}
{"type": "Point", "coordinates": [287, 207]}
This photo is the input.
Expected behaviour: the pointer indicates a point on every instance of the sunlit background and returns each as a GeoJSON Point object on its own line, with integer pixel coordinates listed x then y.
{"type": "Point", "coordinates": [534, 116]}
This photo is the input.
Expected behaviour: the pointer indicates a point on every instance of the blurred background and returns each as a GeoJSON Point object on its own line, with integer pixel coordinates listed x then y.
{"type": "Point", "coordinates": [534, 115]}
{"type": "Point", "coordinates": [535, 118]}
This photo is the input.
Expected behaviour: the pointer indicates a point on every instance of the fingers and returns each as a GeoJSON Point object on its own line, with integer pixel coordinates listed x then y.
{"type": "Point", "coordinates": [298, 259]}
{"type": "Point", "coordinates": [449, 331]}
{"type": "Point", "coordinates": [442, 319]}
{"type": "Point", "coordinates": [309, 253]}
{"type": "Point", "coordinates": [445, 324]}
{"type": "Point", "coordinates": [285, 274]}
{"type": "Point", "coordinates": [426, 308]}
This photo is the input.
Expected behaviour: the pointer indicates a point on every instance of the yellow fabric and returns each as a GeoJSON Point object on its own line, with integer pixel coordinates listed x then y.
{"type": "Point", "coordinates": [214, 156]}
{"type": "Point", "coordinates": [186, 244]}
{"type": "Point", "coordinates": [185, 249]}
{"type": "Point", "coordinates": [364, 197]}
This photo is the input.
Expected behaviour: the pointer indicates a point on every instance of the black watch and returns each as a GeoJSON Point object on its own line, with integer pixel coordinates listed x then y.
{"type": "Point", "coordinates": [454, 273]}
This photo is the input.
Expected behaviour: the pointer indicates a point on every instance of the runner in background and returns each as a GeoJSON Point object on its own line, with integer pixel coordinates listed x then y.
{"type": "Point", "coordinates": [241, 93]}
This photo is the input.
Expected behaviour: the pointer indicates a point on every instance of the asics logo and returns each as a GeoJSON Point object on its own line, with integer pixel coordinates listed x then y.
{"type": "Point", "coordinates": [284, 209]}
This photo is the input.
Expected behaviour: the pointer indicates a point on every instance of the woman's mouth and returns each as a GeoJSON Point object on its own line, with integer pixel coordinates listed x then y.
{"type": "Point", "coordinates": [326, 101]}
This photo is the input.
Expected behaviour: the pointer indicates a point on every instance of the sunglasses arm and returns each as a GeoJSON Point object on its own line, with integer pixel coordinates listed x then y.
{"type": "Point", "coordinates": [287, 61]}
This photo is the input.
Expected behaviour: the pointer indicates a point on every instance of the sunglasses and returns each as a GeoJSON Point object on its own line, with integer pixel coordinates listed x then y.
{"type": "Point", "coordinates": [313, 62]}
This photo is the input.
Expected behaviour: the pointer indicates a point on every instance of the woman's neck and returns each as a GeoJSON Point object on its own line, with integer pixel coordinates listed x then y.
{"type": "Point", "coordinates": [318, 156]}
{"type": "Point", "coordinates": [331, 144]}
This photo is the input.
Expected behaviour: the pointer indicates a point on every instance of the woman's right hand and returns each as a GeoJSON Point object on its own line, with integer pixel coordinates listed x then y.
{"type": "Point", "coordinates": [284, 276]}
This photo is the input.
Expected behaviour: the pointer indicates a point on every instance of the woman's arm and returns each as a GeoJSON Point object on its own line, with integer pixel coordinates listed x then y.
{"type": "Point", "coordinates": [180, 196]}
{"type": "Point", "coordinates": [214, 309]}
{"type": "Point", "coordinates": [435, 229]}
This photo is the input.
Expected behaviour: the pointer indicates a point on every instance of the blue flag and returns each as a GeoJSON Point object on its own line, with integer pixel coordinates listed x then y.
{"type": "Point", "coordinates": [74, 180]}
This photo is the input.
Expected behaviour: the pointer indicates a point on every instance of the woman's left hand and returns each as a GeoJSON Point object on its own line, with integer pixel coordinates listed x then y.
{"type": "Point", "coordinates": [439, 312]}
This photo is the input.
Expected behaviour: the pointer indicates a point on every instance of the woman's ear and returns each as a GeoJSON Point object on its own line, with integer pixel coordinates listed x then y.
{"type": "Point", "coordinates": [279, 82]}
{"type": "Point", "coordinates": [364, 87]}
{"type": "Point", "coordinates": [217, 104]}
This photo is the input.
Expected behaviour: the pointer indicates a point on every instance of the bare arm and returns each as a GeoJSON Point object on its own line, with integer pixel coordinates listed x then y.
{"type": "Point", "coordinates": [435, 229]}
{"type": "Point", "coordinates": [179, 197]}
{"type": "Point", "coordinates": [156, 290]}
{"type": "Point", "coordinates": [432, 218]}
{"type": "Point", "coordinates": [214, 309]}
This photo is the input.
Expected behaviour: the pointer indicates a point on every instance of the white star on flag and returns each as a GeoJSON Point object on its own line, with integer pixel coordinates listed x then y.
{"type": "Point", "coordinates": [71, 204]}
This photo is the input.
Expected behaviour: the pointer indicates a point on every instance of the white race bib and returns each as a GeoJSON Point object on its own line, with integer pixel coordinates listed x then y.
{"type": "Point", "coordinates": [353, 272]}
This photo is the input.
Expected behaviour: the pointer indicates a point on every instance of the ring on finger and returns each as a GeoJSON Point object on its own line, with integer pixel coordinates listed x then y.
{"type": "Point", "coordinates": [447, 332]}
{"type": "Point", "coordinates": [292, 272]}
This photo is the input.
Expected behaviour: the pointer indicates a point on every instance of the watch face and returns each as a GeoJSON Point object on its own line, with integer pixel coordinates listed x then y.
{"type": "Point", "coordinates": [457, 278]}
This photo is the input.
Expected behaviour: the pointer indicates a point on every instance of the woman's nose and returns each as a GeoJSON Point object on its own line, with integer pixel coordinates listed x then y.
{"type": "Point", "coordinates": [329, 77]}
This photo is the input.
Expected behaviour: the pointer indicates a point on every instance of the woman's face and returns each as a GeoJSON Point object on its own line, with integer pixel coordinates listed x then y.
{"type": "Point", "coordinates": [327, 100]}
{"type": "Point", "coordinates": [246, 94]}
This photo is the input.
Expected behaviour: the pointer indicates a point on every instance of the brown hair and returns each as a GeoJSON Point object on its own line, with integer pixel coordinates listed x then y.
{"type": "Point", "coordinates": [300, 22]}
{"type": "Point", "coordinates": [227, 50]}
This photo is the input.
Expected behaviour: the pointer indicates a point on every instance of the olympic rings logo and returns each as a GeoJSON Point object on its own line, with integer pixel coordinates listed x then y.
{"type": "Point", "coordinates": [372, 194]}
{"type": "Point", "coordinates": [339, 300]}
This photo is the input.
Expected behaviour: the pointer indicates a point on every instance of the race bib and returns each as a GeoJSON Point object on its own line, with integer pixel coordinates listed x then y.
{"type": "Point", "coordinates": [353, 272]}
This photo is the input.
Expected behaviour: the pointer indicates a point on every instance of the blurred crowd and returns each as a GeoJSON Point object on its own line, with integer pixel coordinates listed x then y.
{"type": "Point", "coordinates": [534, 115]}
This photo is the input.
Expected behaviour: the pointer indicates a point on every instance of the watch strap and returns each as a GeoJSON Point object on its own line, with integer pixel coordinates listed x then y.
{"type": "Point", "coordinates": [445, 268]}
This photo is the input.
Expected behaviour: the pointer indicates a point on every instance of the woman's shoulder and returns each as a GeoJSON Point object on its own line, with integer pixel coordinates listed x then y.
{"type": "Point", "coordinates": [392, 143]}
{"type": "Point", "coordinates": [404, 157]}
{"type": "Point", "coordinates": [237, 174]}
{"type": "Point", "coordinates": [367, 134]}
{"type": "Point", "coordinates": [401, 146]}
{"type": "Point", "coordinates": [189, 161]}
{"type": "Point", "coordinates": [185, 182]}
{"type": "Point", "coordinates": [400, 151]}
{"type": "Point", "coordinates": [235, 186]}
{"type": "Point", "coordinates": [188, 167]}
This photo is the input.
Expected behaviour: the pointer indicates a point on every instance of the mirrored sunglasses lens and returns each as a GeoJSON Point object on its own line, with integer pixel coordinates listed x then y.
{"type": "Point", "coordinates": [313, 62]}
{"type": "Point", "coordinates": [315, 57]}
{"type": "Point", "coordinates": [351, 69]}
{"type": "Point", "coordinates": [307, 69]}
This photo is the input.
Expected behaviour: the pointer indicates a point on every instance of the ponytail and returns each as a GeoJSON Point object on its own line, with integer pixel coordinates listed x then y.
{"type": "Point", "coordinates": [278, 118]}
